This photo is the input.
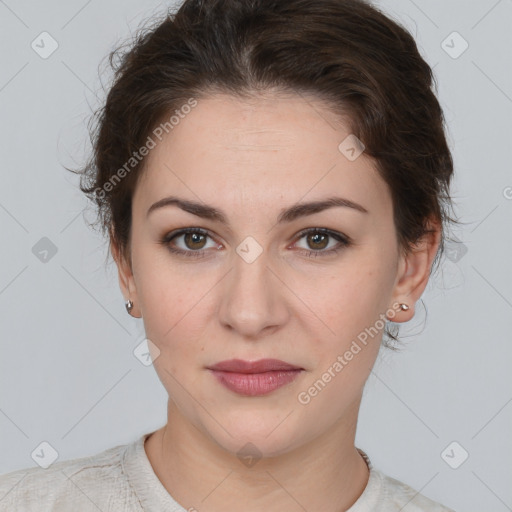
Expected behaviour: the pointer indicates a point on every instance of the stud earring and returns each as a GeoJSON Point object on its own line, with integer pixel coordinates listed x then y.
{"type": "Point", "coordinates": [129, 306]}
{"type": "Point", "coordinates": [404, 307]}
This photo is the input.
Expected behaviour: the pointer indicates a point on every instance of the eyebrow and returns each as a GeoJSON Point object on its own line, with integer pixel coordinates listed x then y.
{"type": "Point", "coordinates": [287, 215]}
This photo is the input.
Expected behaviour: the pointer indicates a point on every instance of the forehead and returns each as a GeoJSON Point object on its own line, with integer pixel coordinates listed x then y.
{"type": "Point", "coordinates": [266, 149]}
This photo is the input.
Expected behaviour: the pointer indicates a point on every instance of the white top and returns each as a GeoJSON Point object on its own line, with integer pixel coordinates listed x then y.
{"type": "Point", "coordinates": [122, 479]}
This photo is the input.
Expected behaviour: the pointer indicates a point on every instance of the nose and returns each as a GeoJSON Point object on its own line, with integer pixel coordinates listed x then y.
{"type": "Point", "coordinates": [254, 298]}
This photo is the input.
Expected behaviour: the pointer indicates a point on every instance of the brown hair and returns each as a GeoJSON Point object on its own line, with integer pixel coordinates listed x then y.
{"type": "Point", "coordinates": [345, 52]}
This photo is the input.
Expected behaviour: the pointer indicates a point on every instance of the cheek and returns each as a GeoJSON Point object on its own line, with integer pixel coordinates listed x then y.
{"type": "Point", "coordinates": [168, 298]}
{"type": "Point", "coordinates": [343, 350]}
{"type": "Point", "coordinates": [351, 300]}
{"type": "Point", "coordinates": [350, 308]}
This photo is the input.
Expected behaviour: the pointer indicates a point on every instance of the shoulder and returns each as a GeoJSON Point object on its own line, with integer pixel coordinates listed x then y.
{"type": "Point", "coordinates": [398, 495]}
{"type": "Point", "coordinates": [87, 484]}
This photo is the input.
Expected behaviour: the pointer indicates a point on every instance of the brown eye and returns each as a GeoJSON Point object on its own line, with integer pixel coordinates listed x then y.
{"type": "Point", "coordinates": [187, 242]}
{"type": "Point", "coordinates": [318, 240]}
{"type": "Point", "coordinates": [194, 240]}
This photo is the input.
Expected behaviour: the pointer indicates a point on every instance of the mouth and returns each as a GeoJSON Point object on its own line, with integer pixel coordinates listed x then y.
{"type": "Point", "coordinates": [254, 378]}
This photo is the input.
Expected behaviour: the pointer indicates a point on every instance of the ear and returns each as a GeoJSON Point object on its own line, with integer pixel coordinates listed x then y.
{"type": "Point", "coordinates": [126, 280]}
{"type": "Point", "coordinates": [414, 271]}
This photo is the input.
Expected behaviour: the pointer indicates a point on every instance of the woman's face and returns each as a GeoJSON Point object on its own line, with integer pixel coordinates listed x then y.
{"type": "Point", "coordinates": [253, 287]}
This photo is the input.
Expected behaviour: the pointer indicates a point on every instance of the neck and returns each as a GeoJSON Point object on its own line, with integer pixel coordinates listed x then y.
{"type": "Point", "coordinates": [326, 473]}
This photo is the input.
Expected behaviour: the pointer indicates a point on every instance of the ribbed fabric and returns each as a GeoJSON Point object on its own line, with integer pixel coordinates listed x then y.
{"type": "Point", "coordinates": [121, 479]}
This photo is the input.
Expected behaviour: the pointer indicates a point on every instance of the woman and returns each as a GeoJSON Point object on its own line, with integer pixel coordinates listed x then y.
{"type": "Point", "coordinates": [273, 177]}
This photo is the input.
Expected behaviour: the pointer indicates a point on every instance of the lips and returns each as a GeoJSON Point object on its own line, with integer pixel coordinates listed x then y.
{"type": "Point", "coordinates": [260, 366]}
{"type": "Point", "coordinates": [254, 378]}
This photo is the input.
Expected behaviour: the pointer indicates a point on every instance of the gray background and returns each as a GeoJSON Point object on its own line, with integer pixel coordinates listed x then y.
{"type": "Point", "coordinates": [68, 375]}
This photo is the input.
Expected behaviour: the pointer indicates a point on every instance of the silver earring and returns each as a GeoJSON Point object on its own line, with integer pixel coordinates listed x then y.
{"type": "Point", "coordinates": [129, 306]}
{"type": "Point", "coordinates": [404, 307]}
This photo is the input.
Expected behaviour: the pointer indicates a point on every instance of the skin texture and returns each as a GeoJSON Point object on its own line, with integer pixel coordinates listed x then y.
{"type": "Point", "coordinates": [252, 159]}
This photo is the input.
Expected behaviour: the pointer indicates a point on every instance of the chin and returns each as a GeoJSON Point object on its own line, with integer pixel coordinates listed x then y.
{"type": "Point", "coordinates": [256, 439]}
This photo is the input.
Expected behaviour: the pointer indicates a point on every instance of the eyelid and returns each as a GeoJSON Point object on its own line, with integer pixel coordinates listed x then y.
{"type": "Point", "coordinates": [327, 231]}
{"type": "Point", "coordinates": [167, 238]}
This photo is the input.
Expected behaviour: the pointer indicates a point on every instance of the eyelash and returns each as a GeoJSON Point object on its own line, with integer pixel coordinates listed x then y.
{"type": "Point", "coordinates": [343, 241]}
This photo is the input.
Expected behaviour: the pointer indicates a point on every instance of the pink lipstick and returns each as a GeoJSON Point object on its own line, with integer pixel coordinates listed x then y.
{"type": "Point", "coordinates": [254, 378]}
